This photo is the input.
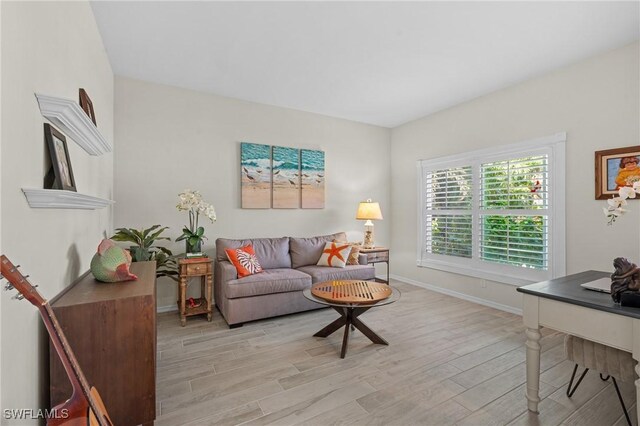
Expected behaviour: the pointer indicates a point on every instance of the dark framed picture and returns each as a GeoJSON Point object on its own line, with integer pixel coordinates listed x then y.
{"type": "Point", "coordinates": [87, 105]}
{"type": "Point", "coordinates": [60, 171]}
{"type": "Point", "coordinates": [616, 168]}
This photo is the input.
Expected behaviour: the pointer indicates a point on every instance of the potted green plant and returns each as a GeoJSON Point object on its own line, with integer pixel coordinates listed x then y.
{"type": "Point", "coordinates": [191, 201]}
{"type": "Point", "coordinates": [144, 248]}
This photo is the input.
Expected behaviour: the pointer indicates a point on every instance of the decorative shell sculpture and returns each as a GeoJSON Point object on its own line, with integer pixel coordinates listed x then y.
{"type": "Point", "coordinates": [626, 278]}
{"type": "Point", "coordinates": [111, 263]}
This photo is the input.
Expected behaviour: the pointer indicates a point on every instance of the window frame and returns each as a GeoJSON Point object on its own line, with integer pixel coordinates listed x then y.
{"type": "Point", "coordinates": [554, 147]}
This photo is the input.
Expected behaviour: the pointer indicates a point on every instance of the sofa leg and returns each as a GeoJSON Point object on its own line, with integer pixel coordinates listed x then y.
{"type": "Point", "coordinates": [235, 325]}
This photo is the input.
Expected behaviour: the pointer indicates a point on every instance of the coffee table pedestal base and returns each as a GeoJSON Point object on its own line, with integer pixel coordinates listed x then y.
{"type": "Point", "coordinates": [349, 319]}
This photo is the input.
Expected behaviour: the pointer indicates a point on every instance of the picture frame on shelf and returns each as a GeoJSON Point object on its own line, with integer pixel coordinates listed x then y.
{"type": "Point", "coordinates": [615, 168]}
{"type": "Point", "coordinates": [87, 105]}
{"type": "Point", "coordinates": [60, 175]}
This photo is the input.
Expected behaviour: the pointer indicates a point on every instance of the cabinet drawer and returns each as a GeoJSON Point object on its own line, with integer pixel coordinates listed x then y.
{"type": "Point", "coordinates": [382, 256]}
{"type": "Point", "coordinates": [198, 269]}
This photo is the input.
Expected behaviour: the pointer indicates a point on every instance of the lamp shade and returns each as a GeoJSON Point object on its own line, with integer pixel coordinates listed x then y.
{"type": "Point", "coordinates": [369, 210]}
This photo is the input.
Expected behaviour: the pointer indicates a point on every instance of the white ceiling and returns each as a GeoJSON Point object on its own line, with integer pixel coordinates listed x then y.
{"type": "Point", "coordinates": [382, 63]}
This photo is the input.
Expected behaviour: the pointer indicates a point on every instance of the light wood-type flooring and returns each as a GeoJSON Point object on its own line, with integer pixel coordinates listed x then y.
{"type": "Point", "coordinates": [449, 361]}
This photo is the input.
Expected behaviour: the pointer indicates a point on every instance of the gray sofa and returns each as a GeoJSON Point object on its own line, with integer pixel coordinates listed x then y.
{"type": "Point", "coordinates": [289, 267]}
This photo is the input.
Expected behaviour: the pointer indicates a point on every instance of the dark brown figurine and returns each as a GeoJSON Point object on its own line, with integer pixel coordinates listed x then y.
{"type": "Point", "coordinates": [626, 278]}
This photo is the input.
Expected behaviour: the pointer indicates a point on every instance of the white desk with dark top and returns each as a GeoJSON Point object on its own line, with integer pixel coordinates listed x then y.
{"type": "Point", "coordinates": [561, 304]}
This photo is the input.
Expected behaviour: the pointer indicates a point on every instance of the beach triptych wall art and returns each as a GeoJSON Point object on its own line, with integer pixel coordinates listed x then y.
{"type": "Point", "coordinates": [255, 166]}
{"type": "Point", "coordinates": [286, 177]}
{"type": "Point", "coordinates": [281, 177]}
{"type": "Point", "coordinates": [312, 178]}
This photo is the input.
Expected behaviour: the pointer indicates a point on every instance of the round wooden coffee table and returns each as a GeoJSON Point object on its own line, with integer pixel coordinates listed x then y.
{"type": "Point", "coordinates": [349, 313]}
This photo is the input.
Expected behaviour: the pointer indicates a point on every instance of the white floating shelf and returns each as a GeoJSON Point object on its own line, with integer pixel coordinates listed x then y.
{"type": "Point", "coordinates": [72, 120]}
{"type": "Point", "coordinates": [60, 199]}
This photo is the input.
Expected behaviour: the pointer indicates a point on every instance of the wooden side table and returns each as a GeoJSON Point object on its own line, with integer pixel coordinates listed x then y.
{"type": "Point", "coordinates": [377, 255]}
{"type": "Point", "coordinates": [194, 268]}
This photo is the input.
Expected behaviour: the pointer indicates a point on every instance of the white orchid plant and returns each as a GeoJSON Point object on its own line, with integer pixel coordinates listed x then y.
{"type": "Point", "coordinates": [191, 201]}
{"type": "Point", "coordinates": [615, 206]}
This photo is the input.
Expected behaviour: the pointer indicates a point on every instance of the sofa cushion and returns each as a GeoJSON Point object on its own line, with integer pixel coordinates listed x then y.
{"type": "Point", "coordinates": [349, 272]}
{"type": "Point", "coordinates": [271, 252]}
{"type": "Point", "coordinates": [279, 280]}
{"type": "Point", "coordinates": [307, 251]}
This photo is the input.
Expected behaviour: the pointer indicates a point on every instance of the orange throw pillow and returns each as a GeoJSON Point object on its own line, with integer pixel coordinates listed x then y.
{"type": "Point", "coordinates": [245, 260]}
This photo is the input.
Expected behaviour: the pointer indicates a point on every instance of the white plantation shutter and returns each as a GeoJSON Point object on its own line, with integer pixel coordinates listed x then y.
{"type": "Point", "coordinates": [514, 206]}
{"type": "Point", "coordinates": [448, 207]}
{"type": "Point", "coordinates": [449, 234]}
{"type": "Point", "coordinates": [496, 213]}
{"type": "Point", "coordinates": [505, 184]}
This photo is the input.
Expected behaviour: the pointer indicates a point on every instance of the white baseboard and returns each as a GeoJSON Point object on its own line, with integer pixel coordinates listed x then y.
{"type": "Point", "coordinates": [459, 295]}
{"type": "Point", "coordinates": [169, 308]}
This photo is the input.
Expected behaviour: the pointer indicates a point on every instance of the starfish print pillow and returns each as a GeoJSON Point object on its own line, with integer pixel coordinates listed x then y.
{"type": "Point", "coordinates": [245, 260]}
{"type": "Point", "coordinates": [335, 255]}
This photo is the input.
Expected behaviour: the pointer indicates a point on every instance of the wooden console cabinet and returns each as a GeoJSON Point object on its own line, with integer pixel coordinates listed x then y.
{"type": "Point", "coordinates": [111, 328]}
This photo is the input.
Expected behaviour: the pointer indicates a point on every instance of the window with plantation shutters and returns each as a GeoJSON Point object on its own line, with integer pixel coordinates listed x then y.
{"type": "Point", "coordinates": [448, 207]}
{"type": "Point", "coordinates": [496, 214]}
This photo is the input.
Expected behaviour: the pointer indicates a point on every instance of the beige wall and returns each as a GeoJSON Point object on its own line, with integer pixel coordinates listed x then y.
{"type": "Point", "coordinates": [596, 102]}
{"type": "Point", "coordinates": [1, 404]}
{"type": "Point", "coordinates": [54, 49]}
{"type": "Point", "coordinates": [169, 139]}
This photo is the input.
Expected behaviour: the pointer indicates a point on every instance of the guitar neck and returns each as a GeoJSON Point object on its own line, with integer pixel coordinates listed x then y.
{"type": "Point", "coordinates": [68, 359]}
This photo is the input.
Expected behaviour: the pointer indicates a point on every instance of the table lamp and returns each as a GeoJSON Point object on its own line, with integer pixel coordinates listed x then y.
{"type": "Point", "coordinates": [368, 210]}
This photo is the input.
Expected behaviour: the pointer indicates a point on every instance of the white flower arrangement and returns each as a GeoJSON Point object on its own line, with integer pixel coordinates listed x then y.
{"type": "Point", "coordinates": [192, 202]}
{"type": "Point", "coordinates": [615, 206]}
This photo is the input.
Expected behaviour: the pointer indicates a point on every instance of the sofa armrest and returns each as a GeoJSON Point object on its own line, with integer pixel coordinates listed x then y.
{"type": "Point", "coordinates": [362, 259]}
{"type": "Point", "coordinates": [225, 272]}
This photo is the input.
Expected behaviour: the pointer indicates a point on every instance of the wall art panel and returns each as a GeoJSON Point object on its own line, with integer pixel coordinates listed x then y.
{"type": "Point", "coordinates": [255, 170]}
{"type": "Point", "coordinates": [286, 177]}
{"type": "Point", "coordinates": [312, 178]}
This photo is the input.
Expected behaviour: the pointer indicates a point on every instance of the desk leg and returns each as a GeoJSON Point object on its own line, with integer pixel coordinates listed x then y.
{"type": "Point", "coordinates": [530, 315]}
{"type": "Point", "coordinates": [637, 382]}
{"type": "Point", "coordinates": [636, 356]}
{"type": "Point", "coordinates": [533, 368]}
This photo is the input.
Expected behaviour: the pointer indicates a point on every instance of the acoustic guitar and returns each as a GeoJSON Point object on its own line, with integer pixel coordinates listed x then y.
{"type": "Point", "coordinates": [84, 407]}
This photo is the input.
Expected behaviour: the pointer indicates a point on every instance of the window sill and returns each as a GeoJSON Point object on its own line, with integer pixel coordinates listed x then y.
{"type": "Point", "coordinates": [477, 273]}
